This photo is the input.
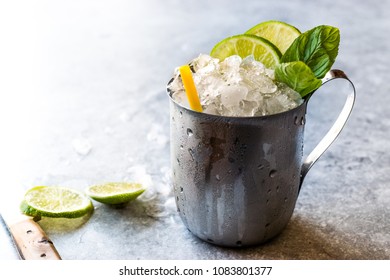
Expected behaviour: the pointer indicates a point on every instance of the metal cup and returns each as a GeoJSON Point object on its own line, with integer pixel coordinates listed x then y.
{"type": "Point", "coordinates": [236, 179]}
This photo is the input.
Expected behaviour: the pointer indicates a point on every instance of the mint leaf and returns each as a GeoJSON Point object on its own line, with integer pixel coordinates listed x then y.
{"type": "Point", "coordinates": [317, 47]}
{"type": "Point", "coordinates": [298, 76]}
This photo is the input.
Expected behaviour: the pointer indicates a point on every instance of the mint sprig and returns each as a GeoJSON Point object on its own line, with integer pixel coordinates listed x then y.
{"type": "Point", "coordinates": [316, 50]}
{"type": "Point", "coordinates": [298, 76]}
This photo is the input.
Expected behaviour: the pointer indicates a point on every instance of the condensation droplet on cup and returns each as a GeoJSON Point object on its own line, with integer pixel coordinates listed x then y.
{"type": "Point", "coordinates": [191, 152]}
{"type": "Point", "coordinates": [299, 121]}
{"type": "Point", "coordinates": [296, 121]}
{"type": "Point", "coordinates": [272, 173]}
{"type": "Point", "coordinates": [217, 177]}
{"type": "Point", "coordinates": [189, 132]}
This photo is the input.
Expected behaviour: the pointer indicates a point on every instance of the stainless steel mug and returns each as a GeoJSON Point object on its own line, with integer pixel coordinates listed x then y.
{"type": "Point", "coordinates": [236, 179]}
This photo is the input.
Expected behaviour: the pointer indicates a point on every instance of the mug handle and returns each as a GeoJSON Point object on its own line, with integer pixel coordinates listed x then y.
{"type": "Point", "coordinates": [336, 128]}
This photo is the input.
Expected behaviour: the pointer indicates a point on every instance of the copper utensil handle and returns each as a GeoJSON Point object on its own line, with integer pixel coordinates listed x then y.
{"type": "Point", "coordinates": [32, 242]}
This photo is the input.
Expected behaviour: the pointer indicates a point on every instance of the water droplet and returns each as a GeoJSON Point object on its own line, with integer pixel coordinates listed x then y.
{"type": "Point", "coordinates": [181, 147]}
{"type": "Point", "coordinates": [269, 191]}
{"type": "Point", "coordinates": [181, 114]}
{"type": "Point", "coordinates": [296, 121]}
{"type": "Point", "coordinates": [303, 120]}
{"type": "Point", "coordinates": [260, 167]}
{"type": "Point", "coordinates": [81, 146]}
{"type": "Point", "coordinates": [272, 173]}
{"type": "Point", "coordinates": [217, 177]}
{"type": "Point", "coordinates": [267, 201]}
{"type": "Point", "coordinates": [189, 132]}
{"type": "Point", "coordinates": [267, 225]}
{"type": "Point", "coordinates": [191, 152]}
{"type": "Point", "coordinates": [285, 199]}
{"type": "Point", "coordinates": [178, 160]}
{"type": "Point", "coordinates": [277, 188]}
{"type": "Point", "coordinates": [181, 189]}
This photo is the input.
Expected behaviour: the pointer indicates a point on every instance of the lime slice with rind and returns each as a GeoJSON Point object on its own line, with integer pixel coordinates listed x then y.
{"type": "Point", "coordinates": [278, 33]}
{"type": "Point", "coordinates": [115, 193]}
{"type": "Point", "coordinates": [55, 202]}
{"type": "Point", "coordinates": [61, 225]}
{"type": "Point", "coordinates": [245, 45]}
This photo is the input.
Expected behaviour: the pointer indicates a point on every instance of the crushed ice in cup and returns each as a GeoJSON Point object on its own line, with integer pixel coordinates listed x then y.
{"type": "Point", "coordinates": [236, 87]}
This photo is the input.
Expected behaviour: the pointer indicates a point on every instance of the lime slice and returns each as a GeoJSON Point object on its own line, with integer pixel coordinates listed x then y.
{"type": "Point", "coordinates": [115, 193]}
{"type": "Point", "coordinates": [246, 44]}
{"type": "Point", "coordinates": [55, 202]}
{"type": "Point", "coordinates": [278, 33]}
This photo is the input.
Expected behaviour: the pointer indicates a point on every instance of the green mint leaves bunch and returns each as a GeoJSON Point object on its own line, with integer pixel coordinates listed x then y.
{"type": "Point", "coordinates": [308, 59]}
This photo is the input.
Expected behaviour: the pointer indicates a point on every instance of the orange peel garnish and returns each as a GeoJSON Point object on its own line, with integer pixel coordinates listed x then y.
{"type": "Point", "coordinates": [190, 89]}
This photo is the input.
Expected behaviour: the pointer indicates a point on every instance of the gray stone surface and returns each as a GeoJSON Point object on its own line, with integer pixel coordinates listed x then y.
{"type": "Point", "coordinates": [88, 105]}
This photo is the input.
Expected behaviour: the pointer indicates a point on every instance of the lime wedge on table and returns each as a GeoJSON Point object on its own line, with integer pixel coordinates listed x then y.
{"type": "Point", "coordinates": [246, 44]}
{"type": "Point", "coordinates": [55, 202]}
{"type": "Point", "coordinates": [278, 33]}
{"type": "Point", "coordinates": [115, 193]}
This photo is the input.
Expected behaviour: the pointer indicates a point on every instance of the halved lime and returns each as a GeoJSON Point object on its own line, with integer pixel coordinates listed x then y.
{"type": "Point", "coordinates": [247, 44]}
{"type": "Point", "coordinates": [55, 202]}
{"type": "Point", "coordinates": [278, 33]}
{"type": "Point", "coordinates": [115, 193]}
